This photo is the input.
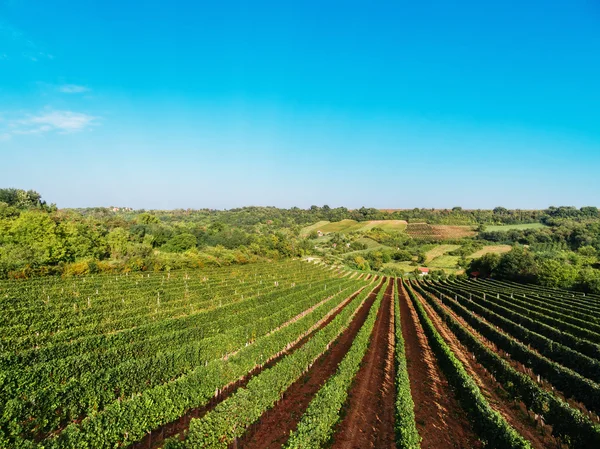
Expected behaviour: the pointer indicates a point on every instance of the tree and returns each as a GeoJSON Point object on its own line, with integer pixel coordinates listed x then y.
{"type": "Point", "coordinates": [35, 232]}
{"type": "Point", "coordinates": [180, 243]}
{"type": "Point", "coordinates": [485, 265]}
{"type": "Point", "coordinates": [554, 273]}
{"type": "Point", "coordinates": [7, 211]}
{"type": "Point", "coordinates": [117, 242]}
{"type": "Point", "coordinates": [462, 262]}
{"type": "Point", "coordinates": [590, 211]}
{"type": "Point", "coordinates": [589, 280]}
{"type": "Point", "coordinates": [517, 265]}
{"type": "Point", "coordinates": [588, 251]}
{"type": "Point", "coordinates": [401, 255]}
{"type": "Point", "coordinates": [21, 199]}
{"type": "Point", "coordinates": [361, 263]}
{"type": "Point", "coordinates": [146, 218]}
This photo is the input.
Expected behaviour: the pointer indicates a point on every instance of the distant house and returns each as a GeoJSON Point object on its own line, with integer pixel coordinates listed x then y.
{"type": "Point", "coordinates": [423, 271]}
{"type": "Point", "coordinates": [320, 233]}
{"type": "Point", "coordinates": [117, 209]}
{"type": "Point", "coordinates": [475, 274]}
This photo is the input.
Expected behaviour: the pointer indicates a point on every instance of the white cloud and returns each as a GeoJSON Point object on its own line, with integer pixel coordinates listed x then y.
{"type": "Point", "coordinates": [72, 89]}
{"type": "Point", "coordinates": [63, 122]}
{"type": "Point", "coordinates": [4, 137]}
{"type": "Point", "coordinates": [67, 121]}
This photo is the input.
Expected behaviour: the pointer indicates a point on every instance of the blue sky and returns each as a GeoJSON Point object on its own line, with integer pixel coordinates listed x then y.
{"type": "Point", "coordinates": [393, 104]}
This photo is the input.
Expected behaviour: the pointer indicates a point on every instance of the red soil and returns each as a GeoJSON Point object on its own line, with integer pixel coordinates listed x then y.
{"type": "Point", "coordinates": [519, 366]}
{"type": "Point", "coordinates": [491, 389]}
{"type": "Point", "coordinates": [156, 437]}
{"type": "Point", "coordinates": [369, 419]}
{"type": "Point", "coordinates": [441, 422]}
{"type": "Point", "coordinates": [273, 428]}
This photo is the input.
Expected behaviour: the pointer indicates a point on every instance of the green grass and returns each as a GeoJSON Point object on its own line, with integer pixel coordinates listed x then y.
{"type": "Point", "coordinates": [386, 225]}
{"type": "Point", "coordinates": [406, 267]}
{"type": "Point", "coordinates": [343, 226]}
{"type": "Point", "coordinates": [315, 227]}
{"type": "Point", "coordinates": [498, 249]}
{"type": "Point", "coordinates": [445, 261]}
{"type": "Point", "coordinates": [515, 226]}
{"type": "Point", "coordinates": [370, 243]}
{"type": "Point", "coordinates": [347, 226]}
{"type": "Point", "coordinates": [368, 250]}
{"type": "Point", "coordinates": [439, 251]}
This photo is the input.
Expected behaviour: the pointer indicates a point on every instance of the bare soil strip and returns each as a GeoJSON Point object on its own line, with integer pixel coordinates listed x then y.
{"type": "Point", "coordinates": [156, 438]}
{"type": "Point", "coordinates": [491, 389]}
{"type": "Point", "coordinates": [369, 419]}
{"type": "Point", "coordinates": [273, 428]}
{"type": "Point", "coordinates": [441, 421]}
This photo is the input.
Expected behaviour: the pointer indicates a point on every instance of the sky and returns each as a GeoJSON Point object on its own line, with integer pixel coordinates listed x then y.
{"type": "Point", "coordinates": [388, 104]}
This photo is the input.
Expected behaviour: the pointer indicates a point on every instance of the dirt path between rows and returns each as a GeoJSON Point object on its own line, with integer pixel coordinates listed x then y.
{"type": "Point", "coordinates": [545, 384]}
{"type": "Point", "coordinates": [273, 428]}
{"type": "Point", "coordinates": [156, 438]}
{"type": "Point", "coordinates": [369, 419]}
{"type": "Point", "coordinates": [497, 398]}
{"type": "Point", "coordinates": [441, 421]}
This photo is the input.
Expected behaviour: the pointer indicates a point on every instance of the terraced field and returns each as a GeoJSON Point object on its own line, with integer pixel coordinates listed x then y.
{"type": "Point", "coordinates": [295, 355]}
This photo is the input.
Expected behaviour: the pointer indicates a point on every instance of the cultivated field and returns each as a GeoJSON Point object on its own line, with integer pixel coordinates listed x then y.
{"type": "Point", "coordinates": [514, 227]}
{"type": "Point", "coordinates": [446, 262]}
{"type": "Point", "coordinates": [439, 232]}
{"type": "Point", "coordinates": [346, 226]}
{"type": "Point", "coordinates": [295, 355]}
{"type": "Point", "coordinates": [438, 251]}
{"type": "Point", "coordinates": [497, 249]}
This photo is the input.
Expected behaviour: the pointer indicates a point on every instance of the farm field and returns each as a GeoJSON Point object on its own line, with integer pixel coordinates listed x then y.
{"type": "Point", "coordinates": [308, 229]}
{"type": "Point", "coordinates": [445, 262]}
{"type": "Point", "coordinates": [388, 225]}
{"type": "Point", "coordinates": [438, 251]}
{"type": "Point", "coordinates": [370, 243]}
{"type": "Point", "coordinates": [346, 226]}
{"type": "Point", "coordinates": [439, 232]}
{"type": "Point", "coordinates": [405, 266]}
{"type": "Point", "coordinates": [296, 355]}
{"type": "Point", "coordinates": [515, 227]}
{"type": "Point", "coordinates": [497, 249]}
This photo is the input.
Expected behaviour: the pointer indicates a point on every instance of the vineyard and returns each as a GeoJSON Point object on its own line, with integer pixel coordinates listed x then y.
{"type": "Point", "coordinates": [295, 355]}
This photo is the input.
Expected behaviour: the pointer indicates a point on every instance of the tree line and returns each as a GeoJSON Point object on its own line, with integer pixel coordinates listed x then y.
{"type": "Point", "coordinates": [37, 238]}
